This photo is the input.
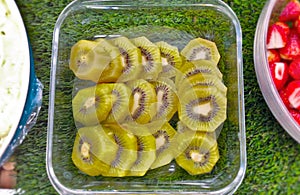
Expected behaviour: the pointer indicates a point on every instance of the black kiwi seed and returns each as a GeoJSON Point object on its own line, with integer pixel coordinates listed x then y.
{"type": "Point", "coordinates": [141, 107]}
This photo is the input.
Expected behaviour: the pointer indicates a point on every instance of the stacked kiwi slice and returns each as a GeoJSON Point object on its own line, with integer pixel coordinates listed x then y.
{"type": "Point", "coordinates": [137, 89]}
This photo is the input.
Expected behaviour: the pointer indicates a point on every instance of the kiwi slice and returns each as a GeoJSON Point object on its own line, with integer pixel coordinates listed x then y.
{"type": "Point", "coordinates": [85, 58]}
{"type": "Point", "coordinates": [199, 80]}
{"type": "Point", "coordinates": [146, 154]}
{"type": "Point", "coordinates": [142, 98]}
{"type": "Point", "coordinates": [166, 99]}
{"type": "Point", "coordinates": [114, 69]}
{"type": "Point", "coordinates": [170, 58]}
{"type": "Point", "coordinates": [200, 68]}
{"type": "Point", "coordinates": [201, 49]}
{"type": "Point", "coordinates": [91, 105]}
{"type": "Point", "coordinates": [91, 148]}
{"type": "Point", "coordinates": [97, 61]}
{"type": "Point", "coordinates": [142, 129]}
{"type": "Point", "coordinates": [126, 153]}
{"type": "Point", "coordinates": [163, 137]}
{"type": "Point", "coordinates": [119, 94]}
{"type": "Point", "coordinates": [131, 58]}
{"type": "Point", "coordinates": [200, 156]}
{"type": "Point", "coordinates": [151, 59]}
{"type": "Point", "coordinates": [202, 109]}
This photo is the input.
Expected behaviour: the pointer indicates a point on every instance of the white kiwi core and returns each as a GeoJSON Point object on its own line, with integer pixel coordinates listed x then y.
{"type": "Point", "coordinates": [160, 141]}
{"type": "Point", "coordinates": [89, 102]}
{"type": "Point", "coordinates": [204, 108]}
{"type": "Point", "coordinates": [136, 102]}
{"type": "Point", "coordinates": [85, 150]}
{"type": "Point", "coordinates": [196, 156]}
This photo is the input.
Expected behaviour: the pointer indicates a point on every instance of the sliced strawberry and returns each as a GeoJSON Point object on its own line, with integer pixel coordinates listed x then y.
{"type": "Point", "coordinates": [293, 93]}
{"type": "Point", "coordinates": [273, 55]}
{"type": "Point", "coordinates": [294, 69]}
{"type": "Point", "coordinates": [290, 12]}
{"type": "Point", "coordinates": [279, 72]}
{"type": "Point", "coordinates": [292, 47]}
{"type": "Point", "coordinates": [284, 97]}
{"type": "Point", "coordinates": [277, 35]}
{"type": "Point", "coordinates": [297, 24]}
{"type": "Point", "coordinates": [295, 114]}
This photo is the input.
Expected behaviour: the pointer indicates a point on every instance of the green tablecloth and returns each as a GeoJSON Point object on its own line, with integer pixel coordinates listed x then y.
{"type": "Point", "coordinates": [273, 156]}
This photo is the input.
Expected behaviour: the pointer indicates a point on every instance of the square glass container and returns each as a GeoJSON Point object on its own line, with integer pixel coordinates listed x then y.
{"type": "Point", "coordinates": [269, 15]}
{"type": "Point", "coordinates": [176, 22]}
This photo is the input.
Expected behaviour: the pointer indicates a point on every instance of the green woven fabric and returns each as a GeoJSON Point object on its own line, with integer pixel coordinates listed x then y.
{"type": "Point", "coordinates": [273, 156]}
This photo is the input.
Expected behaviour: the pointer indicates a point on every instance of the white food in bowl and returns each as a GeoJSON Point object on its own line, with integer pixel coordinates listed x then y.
{"type": "Point", "coordinates": [14, 70]}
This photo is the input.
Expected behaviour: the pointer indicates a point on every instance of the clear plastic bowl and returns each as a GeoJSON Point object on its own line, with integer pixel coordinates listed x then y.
{"type": "Point", "coordinates": [211, 19]}
{"type": "Point", "coordinates": [268, 16]}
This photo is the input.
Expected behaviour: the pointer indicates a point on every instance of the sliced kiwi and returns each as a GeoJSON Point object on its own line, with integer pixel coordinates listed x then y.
{"type": "Point", "coordinates": [146, 155]}
{"type": "Point", "coordinates": [201, 49]}
{"type": "Point", "coordinates": [151, 59]}
{"type": "Point", "coordinates": [87, 60]}
{"type": "Point", "coordinates": [131, 58]}
{"type": "Point", "coordinates": [202, 109]}
{"type": "Point", "coordinates": [98, 61]}
{"type": "Point", "coordinates": [142, 129]}
{"type": "Point", "coordinates": [114, 69]}
{"type": "Point", "coordinates": [163, 137]}
{"type": "Point", "coordinates": [200, 80]}
{"type": "Point", "coordinates": [200, 67]}
{"type": "Point", "coordinates": [142, 98]}
{"type": "Point", "coordinates": [91, 106]}
{"type": "Point", "coordinates": [166, 103]}
{"type": "Point", "coordinates": [126, 154]}
{"type": "Point", "coordinates": [119, 94]}
{"type": "Point", "coordinates": [170, 58]}
{"type": "Point", "coordinates": [91, 148]}
{"type": "Point", "coordinates": [200, 156]}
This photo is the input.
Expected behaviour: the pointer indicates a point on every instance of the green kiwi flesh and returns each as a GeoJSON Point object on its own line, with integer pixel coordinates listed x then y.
{"type": "Point", "coordinates": [200, 156]}
{"type": "Point", "coordinates": [146, 154]}
{"type": "Point", "coordinates": [151, 59]}
{"type": "Point", "coordinates": [131, 58]}
{"type": "Point", "coordinates": [200, 67]}
{"type": "Point", "coordinates": [142, 98]}
{"type": "Point", "coordinates": [201, 49]}
{"type": "Point", "coordinates": [126, 153]}
{"type": "Point", "coordinates": [91, 106]}
{"type": "Point", "coordinates": [166, 99]}
{"type": "Point", "coordinates": [202, 109]}
{"type": "Point", "coordinates": [170, 59]}
{"type": "Point", "coordinates": [120, 94]}
{"type": "Point", "coordinates": [91, 148]}
{"type": "Point", "coordinates": [163, 137]}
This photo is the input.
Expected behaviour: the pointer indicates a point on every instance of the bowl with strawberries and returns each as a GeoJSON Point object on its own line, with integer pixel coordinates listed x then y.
{"type": "Point", "coordinates": [277, 61]}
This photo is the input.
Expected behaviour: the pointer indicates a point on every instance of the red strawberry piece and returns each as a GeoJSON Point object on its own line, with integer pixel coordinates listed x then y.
{"type": "Point", "coordinates": [294, 69]}
{"type": "Point", "coordinates": [284, 97]}
{"type": "Point", "coordinates": [279, 73]}
{"type": "Point", "coordinates": [292, 47]}
{"type": "Point", "coordinates": [290, 12]}
{"type": "Point", "coordinates": [297, 24]}
{"type": "Point", "coordinates": [293, 93]}
{"type": "Point", "coordinates": [277, 35]}
{"type": "Point", "coordinates": [295, 114]}
{"type": "Point", "coordinates": [273, 55]}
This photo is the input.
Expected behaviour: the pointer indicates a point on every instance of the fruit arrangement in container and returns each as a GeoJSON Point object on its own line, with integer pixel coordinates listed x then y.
{"type": "Point", "coordinates": [283, 51]}
{"type": "Point", "coordinates": [138, 105]}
